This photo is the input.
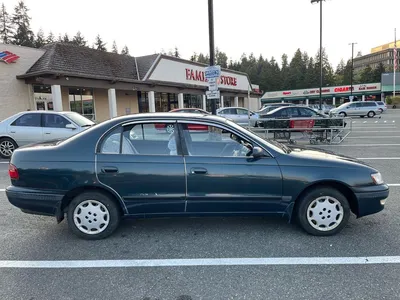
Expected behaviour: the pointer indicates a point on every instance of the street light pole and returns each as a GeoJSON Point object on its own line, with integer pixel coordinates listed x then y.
{"type": "Point", "coordinates": [212, 48]}
{"type": "Point", "coordinates": [320, 52]}
{"type": "Point", "coordinates": [352, 70]}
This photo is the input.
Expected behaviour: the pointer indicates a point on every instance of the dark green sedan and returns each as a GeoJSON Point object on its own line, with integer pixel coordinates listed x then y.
{"type": "Point", "coordinates": [207, 166]}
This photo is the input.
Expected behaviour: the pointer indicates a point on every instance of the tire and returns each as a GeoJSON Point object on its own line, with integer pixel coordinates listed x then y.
{"type": "Point", "coordinates": [7, 147]}
{"type": "Point", "coordinates": [98, 203]}
{"type": "Point", "coordinates": [371, 114]}
{"type": "Point", "coordinates": [342, 114]}
{"type": "Point", "coordinates": [308, 208]}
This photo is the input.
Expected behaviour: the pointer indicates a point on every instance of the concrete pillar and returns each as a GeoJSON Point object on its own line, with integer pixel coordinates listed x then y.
{"type": "Point", "coordinates": [334, 101]}
{"type": "Point", "coordinates": [236, 102]}
{"type": "Point", "coordinates": [56, 97]}
{"type": "Point", "coordinates": [221, 102]}
{"type": "Point", "coordinates": [307, 101]}
{"type": "Point", "coordinates": [112, 103]}
{"type": "Point", "coordinates": [283, 101]}
{"type": "Point", "coordinates": [152, 102]}
{"type": "Point", "coordinates": [204, 102]}
{"type": "Point", "coordinates": [180, 100]}
{"type": "Point", "coordinates": [363, 97]}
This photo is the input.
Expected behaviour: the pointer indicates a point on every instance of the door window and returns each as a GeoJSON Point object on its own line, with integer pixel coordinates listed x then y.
{"type": "Point", "coordinates": [228, 111]}
{"type": "Point", "coordinates": [54, 121]}
{"type": "Point", "coordinates": [28, 120]}
{"type": "Point", "coordinates": [304, 112]}
{"type": "Point", "coordinates": [241, 111]}
{"type": "Point", "coordinates": [214, 142]}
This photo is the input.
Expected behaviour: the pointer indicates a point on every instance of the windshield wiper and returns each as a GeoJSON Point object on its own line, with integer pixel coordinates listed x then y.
{"type": "Point", "coordinates": [280, 145]}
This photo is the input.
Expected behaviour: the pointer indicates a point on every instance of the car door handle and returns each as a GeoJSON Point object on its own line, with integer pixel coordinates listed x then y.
{"type": "Point", "coordinates": [198, 171]}
{"type": "Point", "coordinates": [109, 170]}
{"type": "Point", "coordinates": [47, 133]}
{"type": "Point", "coordinates": [12, 131]}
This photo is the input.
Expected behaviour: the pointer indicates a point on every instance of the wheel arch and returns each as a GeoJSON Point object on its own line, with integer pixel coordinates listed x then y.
{"type": "Point", "coordinates": [338, 185]}
{"type": "Point", "coordinates": [8, 137]}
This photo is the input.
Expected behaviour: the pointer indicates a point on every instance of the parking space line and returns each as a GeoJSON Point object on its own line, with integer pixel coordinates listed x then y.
{"type": "Point", "coordinates": [393, 184]}
{"type": "Point", "coordinates": [133, 263]}
{"type": "Point", "coordinates": [2, 190]}
{"type": "Point", "coordinates": [378, 158]}
{"type": "Point", "coordinates": [4, 162]}
{"type": "Point", "coordinates": [375, 137]}
{"type": "Point", "coordinates": [360, 145]}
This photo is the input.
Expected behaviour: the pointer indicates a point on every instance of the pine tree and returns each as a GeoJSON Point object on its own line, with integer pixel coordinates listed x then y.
{"type": "Point", "coordinates": [23, 34]}
{"type": "Point", "coordinates": [125, 50]}
{"type": "Point", "coordinates": [194, 57]}
{"type": "Point", "coordinates": [6, 26]}
{"type": "Point", "coordinates": [79, 40]}
{"type": "Point", "coordinates": [176, 52]}
{"type": "Point", "coordinates": [50, 38]}
{"type": "Point", "coordinates": [377, 73]}
{"type": "Point", "coordinates": [40, 40]}
{"type": "Point", "coordinates": [221, 58]}
{"type": "Point", "coordinates": [65, 38]}
{"type": "Point", "coordinates": [114, 47]}
{"type": "Point", "coordinates": [99, 44]}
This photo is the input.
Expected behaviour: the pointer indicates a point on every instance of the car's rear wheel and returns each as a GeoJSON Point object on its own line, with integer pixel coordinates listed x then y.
{"type": "Point", "coordinates": [7, 147]}
{"type": "Point", "coordinates": [342, 114]}
{"type": "Point", "coordinates": [371, 114]}
{"type": "Point", "coordinates": [323, 211]}
{"type": "Point", "coordinates": [93, 215]}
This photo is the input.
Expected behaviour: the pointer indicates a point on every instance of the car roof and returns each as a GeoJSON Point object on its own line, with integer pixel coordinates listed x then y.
{"type": "Point", "coordinates": [46, 111]}
{"type": "Point", "coordinates": [167, 115]}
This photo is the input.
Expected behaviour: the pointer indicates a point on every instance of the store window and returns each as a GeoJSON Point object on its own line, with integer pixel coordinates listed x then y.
{"type": "Point", "coordinates": [143, 99]}
{"type": "Point", "coordinates": [81, 101]}
{"type": "Point", "coordinates": [161, 100]}
{"type": "Point", "coordinates": [192, 101]}
{"type": "Point", "coordinates": [42, 97]}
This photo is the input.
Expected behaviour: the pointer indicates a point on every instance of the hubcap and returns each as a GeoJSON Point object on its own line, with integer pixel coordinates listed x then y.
{"type": "Point", "coordinates": [325, 213]}
{"type": "Point", "coordinates": [6, 148]}
{"type": "Point", "coordinates": [91, 217]}
{"type": "Point", "coordinates": [170, 128]}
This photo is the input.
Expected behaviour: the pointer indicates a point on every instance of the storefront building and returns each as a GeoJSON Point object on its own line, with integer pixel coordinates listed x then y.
{"type": "Point", "coordinates": [331, 95]}
{"type": "Point", "coordinates": [102, 85]}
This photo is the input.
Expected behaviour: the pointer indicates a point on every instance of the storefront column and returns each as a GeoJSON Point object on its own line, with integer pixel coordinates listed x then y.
{"type": "Point", "coordinates": [56, 97]}
{"type": "Point", "coordinates": [180, 100]}
{"type": "Point", "coordinates": [307, 101]}
{"type": "Point", "coordinates": [112, 103]}
{"type": "Point", "coordinates": [236, 102]}
{"type": "Point", "coordinates": [221, 102]}
{"type": "Point", "coordinates": [204, 102]}
{"type": "Point", "coordinates": [363, 97]}
{"type": "Point", "coordinates": [152, 102]}
{"type": "Point", "coordinates": [334, 101]}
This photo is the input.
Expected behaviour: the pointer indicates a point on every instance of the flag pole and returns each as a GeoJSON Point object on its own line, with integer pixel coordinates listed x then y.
{"type": "Point", "coordinates": [394, 64]}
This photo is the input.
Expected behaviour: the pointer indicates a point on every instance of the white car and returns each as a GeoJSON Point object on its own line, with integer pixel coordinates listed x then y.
{"type": "Point", "coordinates": [31, 127]}
{"type": "Point", "coordinates": [358, 108]}
{"type": "Point", "coordinates": [382, 105]}
{"type": "Point", "coordinates": [239, 115]}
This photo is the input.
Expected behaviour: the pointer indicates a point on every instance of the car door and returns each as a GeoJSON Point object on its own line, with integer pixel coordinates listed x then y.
{"type": "Point", "coordinates": [229, 113]}
{"type": "Point", "coordinates": [26, 129]}
{"type": "Point", "coordinates": [143, 164]}
{"type": "Point", "coordinates": [222, 179]}
{"type": "Point", "coordinates": [54, 127]}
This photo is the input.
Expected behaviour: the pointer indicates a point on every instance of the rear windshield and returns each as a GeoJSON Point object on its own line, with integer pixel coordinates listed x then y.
{"type": "Point", "coordinates": [380, 103]}
{"type": "Point", "coordinates": [79, 119]}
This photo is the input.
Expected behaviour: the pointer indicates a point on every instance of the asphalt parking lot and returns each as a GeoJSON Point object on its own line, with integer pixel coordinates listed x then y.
{"type": "Point", "coordinates": [214, 258]}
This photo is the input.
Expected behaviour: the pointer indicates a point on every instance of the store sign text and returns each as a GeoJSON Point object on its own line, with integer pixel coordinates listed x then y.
{"type": "Point", "coordinates": [197, 75]}
{"type": "Point", "coordinates": [343, 89]}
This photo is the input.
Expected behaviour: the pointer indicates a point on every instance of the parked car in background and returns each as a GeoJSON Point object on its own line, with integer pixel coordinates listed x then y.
{"type": "Point", "coordinates": [279, 104]}
{"type": "Point", "coordinates": [382, 106]}
{"type": "Point", "coordinates": [291, 112]}
{"type": "Point", "coordinates": [191, 110]}
{"type": "Point", "coordinates": [239, 115]}
{"type": "Point", "coordinates": [267, 108]}
{"type": "Point", "coordinates": [225, 171]}
{"type": "Point", "coordinates": [359, 108]}
{"type": "Point", "coordinates": [326, 108]}
{"type": "Point", "coordinates": [39, 126]}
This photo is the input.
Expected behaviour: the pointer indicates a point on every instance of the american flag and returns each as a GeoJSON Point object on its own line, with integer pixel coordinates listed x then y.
{"type": "Point", "coordinates": [8, 57]}
{"type": "Point", "coordinates": [395, 57]}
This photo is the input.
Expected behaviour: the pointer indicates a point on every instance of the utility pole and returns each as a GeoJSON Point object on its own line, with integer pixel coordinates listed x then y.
{"type": "Point", "coordinates": [320, 52]}
{"type": "Point", "coordinates": [351, 71]}
{"type": "Point", "coordinates": [212, 48]}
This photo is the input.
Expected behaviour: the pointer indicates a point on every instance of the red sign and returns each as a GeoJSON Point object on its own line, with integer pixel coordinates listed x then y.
{"type": "Point", "coordinates": [197, 75]}
{"type": "Point", "coordinates": [343, 89]}
{"type": "Point", "coordinates": [286, 93]}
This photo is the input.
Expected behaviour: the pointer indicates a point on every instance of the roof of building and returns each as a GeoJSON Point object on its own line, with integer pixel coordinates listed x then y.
{"type": "Point", "coordinates": [74, 60]}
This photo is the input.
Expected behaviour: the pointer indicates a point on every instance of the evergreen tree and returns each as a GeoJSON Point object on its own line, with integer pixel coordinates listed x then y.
{"type": "Point", "coordinates": [114, 48]}
{"type": "Point", "coordinates": [50, 38]}
{"type": "Point", "coordinates": [125, 50]}
{"type": "Point", "coordinates": [194, 57]}
{"type": "Point", "coordinates": [23, 34]}
{"type": "Point", "coordinates": [297, 71]}
{"type": "Point", "coordinates": [176, 52]}
{"type": "Point", "coordinates": [6, 26]}
{"type": "Point", "coordinates": [221, 58]}
{"type": "Point", "coordinates": [65, 38]}
{"type": "Point", "coordinates": [79, 40]}
{"type": "Point", "coordinates": [40, 40]}
{"type": "Point", "coordinates": [99, 44]}
{"type": "Point", "coordinates": [203, 59]}
{"type": "Point", "coordinates": [367, 75]}
{"type": "Point", "coordinates": [377, 73]}
{"type": "Point", "coordinates": [285, 73]}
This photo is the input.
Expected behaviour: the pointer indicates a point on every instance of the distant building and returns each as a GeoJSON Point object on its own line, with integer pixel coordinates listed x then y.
{"type": "Point", "coordinates": [381, 54]}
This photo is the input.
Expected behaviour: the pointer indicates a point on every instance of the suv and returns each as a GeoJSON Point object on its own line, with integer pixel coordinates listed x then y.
{"type": "Point", "coordinates": [361, 109]}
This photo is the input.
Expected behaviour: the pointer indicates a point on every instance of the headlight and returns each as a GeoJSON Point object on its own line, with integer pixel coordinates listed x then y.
{"type": "Point", "coordinates": [377, 178]}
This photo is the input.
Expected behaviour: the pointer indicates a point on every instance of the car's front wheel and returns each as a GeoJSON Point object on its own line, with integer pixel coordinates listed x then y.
{"type": "Point", "coordinates": [93, 215]}
{"type": "Point", "coordinates": [323, 211]}
{"type": "Point", "coordinates": [371, 114]}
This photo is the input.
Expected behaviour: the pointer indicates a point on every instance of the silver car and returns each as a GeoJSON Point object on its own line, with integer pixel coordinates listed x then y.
{"type": "Point", "coordinates": [239, 115]}
{"type": "Point", "coordinates": [359, 108]}
{"type": "Point", "coordinates": [38, 126]}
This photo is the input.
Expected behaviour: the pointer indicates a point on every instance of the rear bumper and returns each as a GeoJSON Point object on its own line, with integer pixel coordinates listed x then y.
{"type": "Point", "coordinates": [369, 199]}
{"type": "Point", "coordinates": [35, 201]}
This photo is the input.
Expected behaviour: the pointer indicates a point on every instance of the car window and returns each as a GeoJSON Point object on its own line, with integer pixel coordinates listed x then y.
{"type": "Point", "coordinates": [228, 111]}
{"type": "Point", "coordinates": [54, 121]}
{"type": "Point", "coordinates": [305, 112]}
{"type": "Point", "coordinates": [213, 141]}
{"type": "Point", "coordinates": [28, 120]}
{"type": "Point", "coordinates": [241, 111]}
{"type": "Point", "coordinates": [380, 103]}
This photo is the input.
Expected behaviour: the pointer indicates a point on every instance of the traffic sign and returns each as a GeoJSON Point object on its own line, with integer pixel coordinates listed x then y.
{"type": "Point", "coordinates": [212, 84]}
{"type": "Point", "coordinates": [213, 94]}
{"type": "Point", "coordinates": [212, 72]}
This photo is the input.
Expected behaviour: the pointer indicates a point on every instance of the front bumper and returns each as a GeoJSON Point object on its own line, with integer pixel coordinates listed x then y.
{"type": "Point", "coordinates": [35, 201]}
{"type": "Point", "coordinates": [369, 199]}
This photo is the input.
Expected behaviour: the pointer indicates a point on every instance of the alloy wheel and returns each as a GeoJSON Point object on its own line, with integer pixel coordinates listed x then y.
{"type": "Point", "coordinates": [6, 148]}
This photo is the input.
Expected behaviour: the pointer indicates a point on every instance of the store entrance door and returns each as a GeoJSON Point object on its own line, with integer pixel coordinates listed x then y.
{"type": "Point", "coordinates": [44, 105]}
{"type": "Point", "coordinates": [172, 102]}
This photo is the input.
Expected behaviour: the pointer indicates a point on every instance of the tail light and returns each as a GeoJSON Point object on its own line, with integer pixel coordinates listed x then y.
{"type": "Point", "coordinates": [13, 172]}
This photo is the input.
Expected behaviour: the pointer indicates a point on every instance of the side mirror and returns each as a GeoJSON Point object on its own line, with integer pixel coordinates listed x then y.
{"type": "Point", "coordinates": [70, 126]}
{"type": "Point", "coordinates": [258, 152]}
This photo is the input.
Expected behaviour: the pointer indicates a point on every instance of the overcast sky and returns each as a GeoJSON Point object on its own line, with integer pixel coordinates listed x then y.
{"type": "Point", "coordinates": [265, 27]}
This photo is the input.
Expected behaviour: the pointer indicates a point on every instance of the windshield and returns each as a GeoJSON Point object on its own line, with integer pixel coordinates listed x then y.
{"type": "Point", "coordinates": [79, 119]}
